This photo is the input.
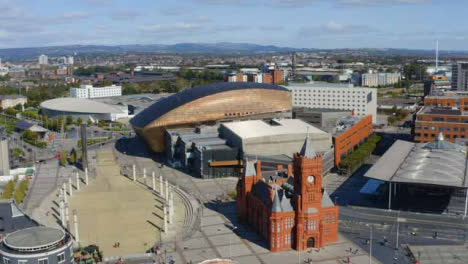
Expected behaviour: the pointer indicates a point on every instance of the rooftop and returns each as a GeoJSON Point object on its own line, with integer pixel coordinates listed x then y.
{"type": "Point", "coordinates": [276, 127]}
{"type": "Point", "coordinates": [435, 110]}
{"type": "Point", "coordinates": [345, 123]}
{"type": "Point", "coordinates": [34, 237]}
{"type": "Point", "coordinates": [436, 163]}
{"type": "Point", "coordinates": [78, 105]}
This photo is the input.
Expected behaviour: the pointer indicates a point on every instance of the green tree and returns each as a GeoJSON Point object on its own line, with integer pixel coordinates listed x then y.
{"type": "Point", "coordinates": [79, 121]}
{"type": "Point", "coordinates": [72, 157]}
{"type": "Point", "coordinates": [63, 158]}
{"type": "Point", "coordinates": [90, 122]}
{"type": "Point", "coordinates": [69, 120]}
{"type": "Point", "coordinates": [10, 111]}
{"type": "Point", "coordinates": [18, 107]}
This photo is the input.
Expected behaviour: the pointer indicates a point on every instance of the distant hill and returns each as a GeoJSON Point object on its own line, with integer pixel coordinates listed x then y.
{"type": "Point", "coordinates": [185, 48]}
{"type": "Point", "coordinates": [194, 48]}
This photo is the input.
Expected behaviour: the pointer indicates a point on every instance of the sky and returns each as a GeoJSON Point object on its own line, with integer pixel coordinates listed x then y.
{"type": "Point", "coordinates": [413, 24]}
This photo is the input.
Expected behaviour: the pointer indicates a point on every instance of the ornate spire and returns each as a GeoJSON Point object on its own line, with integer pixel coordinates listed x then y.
{"type": "Point", "coordinates": [276, 208]}
{"type": "Point", "coordinates": [307, 150]}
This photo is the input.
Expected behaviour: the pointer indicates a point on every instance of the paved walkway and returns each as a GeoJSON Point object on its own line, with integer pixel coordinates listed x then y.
{"type": "Point", "coordinates": [216, 238]}
{"type": "Point", "coordinates": [115, 209]}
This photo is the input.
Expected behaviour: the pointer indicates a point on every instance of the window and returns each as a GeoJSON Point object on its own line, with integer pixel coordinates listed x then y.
{"type": "Point", "coordinates": [61, 257]}
{"type": "Point", "coordinates": [22, 261]}
{"type": "Point", "coordinates": [43, 261]}
{"type": "Point", "coordinates": [6, 261]}
{"type": "Point", "coordinates": [287, 239]}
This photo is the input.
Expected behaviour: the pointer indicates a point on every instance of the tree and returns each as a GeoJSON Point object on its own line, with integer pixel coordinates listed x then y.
{"type": "Point", "coordinates": [19, 107]}
{"type": "Point", "coordinates": [90, 122]}
{"type": "Point", "coordinates": [72, 157]}
{"type": "Point", "coordinates": [69, 120]}
{"type": "Point", "coordinates": [79, 121]}
{"type": "Point", "coordinates": [10, 111]}
{"type": "Point", "coordinates": [63, 158]}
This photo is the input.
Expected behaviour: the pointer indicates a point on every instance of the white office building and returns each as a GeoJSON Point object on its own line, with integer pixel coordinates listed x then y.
{"type": "Point", "coordinates": [380, 79]}
{"type": "Point", "coordinates": [43, 60]}
{"type": "Point", "coordinates": [363, 101]}
{"type": "Point", "coordinates": [89, 92]}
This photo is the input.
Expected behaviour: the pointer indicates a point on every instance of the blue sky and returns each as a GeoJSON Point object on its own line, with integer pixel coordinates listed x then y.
{"type": "Point", "coordinates": [294, 23]}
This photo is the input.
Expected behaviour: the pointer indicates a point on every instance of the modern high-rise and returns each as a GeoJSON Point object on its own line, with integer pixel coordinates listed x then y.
{"type": "Point", "coordinates": [362, 101]}
{"type": "Point", "coordinates": [88, 91]}
{"type": "Point", "coordinates": [43, 60]}
{"type": "Point", "coordinates": [460, 76]}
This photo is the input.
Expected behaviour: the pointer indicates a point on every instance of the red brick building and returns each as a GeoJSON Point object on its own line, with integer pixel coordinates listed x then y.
{"type": "Point", "coordinates": [355, 131]}
{"type": "Point", "coordinates": [288, 207]}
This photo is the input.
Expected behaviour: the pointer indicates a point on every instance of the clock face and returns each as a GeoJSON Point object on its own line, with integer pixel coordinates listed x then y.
{"type": "Point", "coordinates": [311, 179]}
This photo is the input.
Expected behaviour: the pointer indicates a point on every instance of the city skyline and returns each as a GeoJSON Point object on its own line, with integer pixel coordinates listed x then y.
{"type": "Point", "coordinates": [413, 24]}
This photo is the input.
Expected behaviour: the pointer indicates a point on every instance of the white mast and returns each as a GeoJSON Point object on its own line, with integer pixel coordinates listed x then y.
{"type": "Point", "coordinates": [437, 56]}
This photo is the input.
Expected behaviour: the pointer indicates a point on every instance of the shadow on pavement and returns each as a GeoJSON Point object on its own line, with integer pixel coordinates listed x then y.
{"type": "Point", "coordinates": [228, 209]}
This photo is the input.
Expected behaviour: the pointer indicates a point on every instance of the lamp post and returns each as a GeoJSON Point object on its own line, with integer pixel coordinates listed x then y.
{"type": "Point", "coordinates": [370, 245]}
{"type": "Point", "coordinates": [230, 252]}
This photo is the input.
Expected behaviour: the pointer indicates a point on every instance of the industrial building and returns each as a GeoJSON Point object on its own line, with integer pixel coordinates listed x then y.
{"type": "Point", "coordinates": [288, 206]}
{"type": "Point", "coordinates": [84, 109]}
{"type": "Point", "coordinates": [273, 137]}
{"type": "Point", "coordinates": [363, 101]}
{"type": "Point", "coordinates": [218, 151]}
{"type": "Point", "coordinates": [323, 118]}
{"type": "Point", "coordinates": [210, 104]}
{"type": "Point", "coordinates": [89, 92]}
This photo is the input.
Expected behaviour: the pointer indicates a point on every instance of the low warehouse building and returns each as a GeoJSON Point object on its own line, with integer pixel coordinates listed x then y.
{"type": "Point", "coordinates": [274, 137]}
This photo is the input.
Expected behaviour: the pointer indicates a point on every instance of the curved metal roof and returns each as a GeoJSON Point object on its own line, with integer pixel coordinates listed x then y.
{"type": "Point", "coordinates": [167, 104]}
{"type": "Point", "coordinates": [34, 237]}
{"type": "Point", "coordinates": [437, 163]}
{"type": "Point", "coordinates": [78, 105]}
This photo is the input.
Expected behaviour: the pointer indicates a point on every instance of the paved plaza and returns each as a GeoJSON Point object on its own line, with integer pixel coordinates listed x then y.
{"type": "Point", "coordinates": [115, 209]}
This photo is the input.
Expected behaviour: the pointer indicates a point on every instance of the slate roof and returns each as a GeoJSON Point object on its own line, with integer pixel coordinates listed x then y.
{"type": "Point", "coordinates": [12, 218]}
{"type": "Point", "coordinates": [307, 150]}
{"type": "Point", "coordinates": [172, 102]}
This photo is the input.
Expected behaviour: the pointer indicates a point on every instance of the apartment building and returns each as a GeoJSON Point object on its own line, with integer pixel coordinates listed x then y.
{"type": "Point", "coordinates": [88, 91]}
{"type": "Point", "coordinates": [362, 101]}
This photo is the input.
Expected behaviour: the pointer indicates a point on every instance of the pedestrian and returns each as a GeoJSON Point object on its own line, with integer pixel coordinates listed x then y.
{"type": "Point", "coordinates": [350, 249]}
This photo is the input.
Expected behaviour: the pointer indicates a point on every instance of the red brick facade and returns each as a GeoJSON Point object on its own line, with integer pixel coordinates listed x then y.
{"type": "Point", "coordinates": [303, 218]}
{"type": "Point", "coordinates": [345, 142]}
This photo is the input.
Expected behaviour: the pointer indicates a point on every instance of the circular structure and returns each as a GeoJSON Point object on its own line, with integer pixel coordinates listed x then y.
{"type": "Point", "coordinates": [207, 104]}
{"type": "Point", "coordinates": [37, 245]}
{"type": "Point", "coordinates": [34, 239]}
{"type": "Point", "coordinates": [84, 108]}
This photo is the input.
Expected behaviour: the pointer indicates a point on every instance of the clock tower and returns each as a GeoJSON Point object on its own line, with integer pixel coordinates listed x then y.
{"type": "Point", "coordinates": [307, 196]}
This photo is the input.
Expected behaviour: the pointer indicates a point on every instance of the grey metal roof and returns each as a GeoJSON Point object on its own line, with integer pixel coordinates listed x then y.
{"type": "Point", "coordinates": [276, 207]}
{"type": "Point", "coordinates": [34, 237]}
{"type": "Point", "coordinates": [436, 163]}
{"type": "Point", "coordinates": [78, 105]}
{"type": "Point", "coordinates": [286, 203]}
{"type": "Point", "coordinates": [172, 102]}
{"type": "Point", "coordinates": [13, 218]}
{"type": "Point", "coordinates": [307, 150]}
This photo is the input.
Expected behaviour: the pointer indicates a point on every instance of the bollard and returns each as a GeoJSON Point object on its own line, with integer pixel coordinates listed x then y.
{"type": "Point", "coordinates": [134, 172]}
{"type": "Point", "coordinates": [154, 181]}
{"type": "Point", "coordinates": [75, 220]}
{"type": "Point", "coordinates": [77, 181]}
{"type": "Point", "coordinates": [70, 186]}
{"type": "Point", "coordinates": [86, 176]}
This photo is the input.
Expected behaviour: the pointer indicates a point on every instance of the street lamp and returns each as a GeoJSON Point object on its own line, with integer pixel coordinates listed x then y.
{"type": "Point", "coordinates": [230, 252]}
{"type": "Point", "coordinates": [370, 244]}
